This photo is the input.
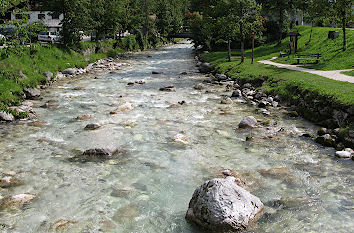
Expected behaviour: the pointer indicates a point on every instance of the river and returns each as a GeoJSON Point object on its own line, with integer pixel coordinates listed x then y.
{"type": "Point", "coordinates": [149, 188]}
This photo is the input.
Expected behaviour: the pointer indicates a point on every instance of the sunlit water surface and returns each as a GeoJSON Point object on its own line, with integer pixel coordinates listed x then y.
{"type": "Point", "coordinates": [149, 188]}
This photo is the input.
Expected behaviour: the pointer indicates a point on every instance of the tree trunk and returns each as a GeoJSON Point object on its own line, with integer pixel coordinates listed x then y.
{"type": "Point", "coordinates": [281, 16]}
{"type": "Point", "coordinates": [344, 32]}
{"type": "Point", "coordinates": [308, 42]}
{"type": "Point", "coordinates": [242, 50]}
{"type": "Point", "coordinates": [229, 50]}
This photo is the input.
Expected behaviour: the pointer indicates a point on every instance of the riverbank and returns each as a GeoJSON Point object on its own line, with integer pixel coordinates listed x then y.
{"type": "Point", "coordinates": [27, 70]}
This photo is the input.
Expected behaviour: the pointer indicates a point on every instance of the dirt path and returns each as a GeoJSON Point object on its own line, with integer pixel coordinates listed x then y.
{"type": "Point", "coordinates": [332, 74]}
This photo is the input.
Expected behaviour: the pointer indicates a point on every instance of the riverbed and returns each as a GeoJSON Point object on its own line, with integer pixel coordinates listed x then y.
{"type": "Point", "coordinates": [148, 188]}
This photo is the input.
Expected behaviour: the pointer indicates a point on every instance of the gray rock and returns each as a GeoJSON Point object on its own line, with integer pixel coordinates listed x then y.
{"type": "Point", "coordinates": [322, 131]}
{"type": "Point", "coordinates": [207, 80]}
{"type": "Point", "coordinates": [101, 153]}
{"type": "Point", "coordinates": [206, 68]}
{"type": "Point", "coordinates": [222, 205]}
{"type": "Point", "coordinates": [237, 93]}
{"type": "Point", "coordinates": [69, 71]}
{"type": "Point", "coordinates": [32, 93]}
{"type": "Point", "coordinates": [344, 154]}
{"type": "Point", "coordinates": [275, 104]}
{"type": "Point", "coordinates": [48, 75]}
{"type": "Point", "coordinates": [248, 122]}
{"type": "Point", "coordinates": [262, 104]}
{"type": "Point", "coordinates": [326, 140]}
{"type": "Point", "coordinates": [199, 86]}
{"type": "Point", "coordinates": [221, 77]}
{"type": "Point", "coordinates": [4, 116]}
{"type": "Point", "coordinates": [247, 85]}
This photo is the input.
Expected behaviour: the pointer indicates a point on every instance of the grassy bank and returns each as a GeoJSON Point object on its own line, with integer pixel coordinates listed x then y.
{"type": "Point", "coordinates": [292, 85]}
{"type": "Point", "coordinates": [25, 67]}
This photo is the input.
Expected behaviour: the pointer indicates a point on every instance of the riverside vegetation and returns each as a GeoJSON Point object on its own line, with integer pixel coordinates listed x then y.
{"type": "Point", "coordinates": [324, 101]}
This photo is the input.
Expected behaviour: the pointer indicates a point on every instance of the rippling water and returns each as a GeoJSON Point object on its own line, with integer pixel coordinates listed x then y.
{"type": "Point", "coordinates": [149, 188]}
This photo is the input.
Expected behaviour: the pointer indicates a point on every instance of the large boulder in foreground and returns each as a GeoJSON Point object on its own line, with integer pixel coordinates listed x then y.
{"type": "Point", "coordinates": [221, 205]}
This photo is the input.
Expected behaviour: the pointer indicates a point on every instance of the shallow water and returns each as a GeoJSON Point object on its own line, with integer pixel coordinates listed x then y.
{"type": "Point", "coordinates": [149, 188]}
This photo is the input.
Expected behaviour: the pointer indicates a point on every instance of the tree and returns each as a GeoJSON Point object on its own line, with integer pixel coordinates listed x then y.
{"type": "Point", "coordinates": [237, 19]}
{"type": "Point", "coordinates": [76, 18]}
{"type": "Point", "coordinates": [279, 8]}
{"type": "Point", "coordinates": [343, 10]}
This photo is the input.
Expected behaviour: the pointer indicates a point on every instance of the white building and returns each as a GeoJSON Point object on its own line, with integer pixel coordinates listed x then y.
{"type": "Point", "coordinates": [53, 22]}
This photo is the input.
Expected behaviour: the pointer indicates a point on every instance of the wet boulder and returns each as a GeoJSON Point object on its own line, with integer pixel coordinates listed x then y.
{"type": "Point", "coordinates": [92, 126]}
{"type": "Point", "coordinates": [9, 181]}
{"type": "Point", "coordinates": [221, 77]}
{"type": "Point", "coordinates": [199, 86]}
{"type": "Point", "coordinates": [101, 154]}
{"type": "Point", "coordinates": [221, 205]}
{"type": "Point", "coordinates": [84, 117]}
{"type": "Point", "coordinates": [32, 93]}
{"type": "Point", "coordinates": [248, 122]}
{"type": "Point", "coordinates": [125, 107]}
{"type": "Point", "coordinates": [16, 201]}
{"type": "Point", "coordinates": [326, 140]}
{"type": "Point", "coordinates": [205, 68]}
{"type": "Point", "coordinates": [170, 88]}
{"type": "Point", "coordinates": [237, 93]}
{"type": "Point", "coordinates": [4, 116]}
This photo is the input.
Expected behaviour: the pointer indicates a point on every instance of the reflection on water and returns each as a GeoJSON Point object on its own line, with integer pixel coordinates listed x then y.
{"type": "Point", "coordinates": [149, 188]}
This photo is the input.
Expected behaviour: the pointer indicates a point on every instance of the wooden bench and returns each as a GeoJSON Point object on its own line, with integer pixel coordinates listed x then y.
{"type": "Point", "coordinates": [307, 56]}
{"type": "Point", "coordinates": [284, 54]}
{"type": "Point", "coordinates": [236, 53]}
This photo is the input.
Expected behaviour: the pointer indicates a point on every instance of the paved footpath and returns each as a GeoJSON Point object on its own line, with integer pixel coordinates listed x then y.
{"type": "Point", "coordinates": [332, 74]}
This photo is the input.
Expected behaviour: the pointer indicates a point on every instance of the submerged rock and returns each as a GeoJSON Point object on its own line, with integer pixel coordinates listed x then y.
{"type": "Point", "coordinates": [170, 88]}
{"type": "Point", "coordinates": [63, 225]}
{"type": "Point", "coordinates": [221, 205]}
{"type": "Point", "coordinates": [17, 201]}
{"type": "Point", "coordinates": [248, 122]}
{"type": "Point", "coordinates": [199, 86]}
{"type": "Point", "coordinates": [180, 138]}
{"type": "Point", "coordinates": [92, 126]}
{"type": "Point", "coordinates": [125, 107]}
{"type": "Point", "coordinates": [4, 116]}
{"type": "Point", "coordinates": [9, 181]}
{"type": "Point", "coordinates": [101, 154]}
{"type": "Point", "coordinates": [84, 117]}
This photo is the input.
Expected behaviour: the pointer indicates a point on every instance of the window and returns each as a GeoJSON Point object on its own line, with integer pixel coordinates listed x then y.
{"type": "Point", "coordinates": [22, 16]}
{"type": "Point", "coordinates": [41, 16]}
{"type": "Point", "coordinates": [55, 16]}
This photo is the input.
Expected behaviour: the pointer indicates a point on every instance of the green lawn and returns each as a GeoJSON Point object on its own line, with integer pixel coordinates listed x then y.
{"type": "Point", "coordinates": [350, 73]}
{"type": "Point", "coordinates": [286, 83]}
{"type": "Point", "coordinates": [332, 56]}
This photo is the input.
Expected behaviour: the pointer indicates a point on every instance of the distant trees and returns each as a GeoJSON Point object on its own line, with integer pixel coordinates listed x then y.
{"type": "Point", "coordinates": [237, 19]}
{"type": "Point", "coordinates": [343, 11]}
